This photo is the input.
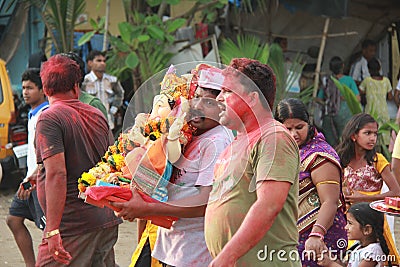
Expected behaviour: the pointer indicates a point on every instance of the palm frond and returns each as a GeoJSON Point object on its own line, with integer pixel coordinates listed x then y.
{"type": "Point", "coordinates": [389, 126]}
{"type": "Point", "coordinates": [60, 18]}
{"type": "Point", "coordinates": [306, 95]}
{"type": "Point", "coordinates": [350, 98]}
{"type": "Point", "coordinates": [286, 73]}
{"type": "Point", "coordinates": [73, 10]}
{"type": "Point", "coordinates": [247, 46]}
{"type": "Point", "coordinates": [385, 128]}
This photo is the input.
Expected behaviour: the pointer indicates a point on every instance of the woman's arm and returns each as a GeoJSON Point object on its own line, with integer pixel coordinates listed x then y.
{"type": "Point", "coordinates": [327, 180]}
{"type": "Point", "coordinates": [396, 97]}
{"type": "Point", "coordinates": [365, 263]}
{"type": "Point", "coordinates": [391, 182]}
{"type": "Point", "coordinates": [390, 95]}
{"type": "Point", "coordinates": [396, 169]}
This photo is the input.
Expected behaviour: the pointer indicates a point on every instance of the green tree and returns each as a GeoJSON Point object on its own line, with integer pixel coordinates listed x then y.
{"type": "Point", "coordinates": [141, 49]}
{"type": "Point", "coordinates": [249, 46]}
{"type": "Point", "coordinates": [60, 18]}
{"type": "Point", "coordinates": [355, 108]}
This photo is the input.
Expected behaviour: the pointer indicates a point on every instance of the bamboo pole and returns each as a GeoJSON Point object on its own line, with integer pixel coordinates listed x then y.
{"type": "Point", "coordinates": [298, 37]}
{"type": "Point", "coordinates": [395, 55]}
{"type": "Point", "coordinates": [318, 67]}
{"type": "Point", "coordinates": [105, 38]}
{"type": "Point", "coordinates": [329, 35]}
{"type": "Point", "coordinates": [320, 54]}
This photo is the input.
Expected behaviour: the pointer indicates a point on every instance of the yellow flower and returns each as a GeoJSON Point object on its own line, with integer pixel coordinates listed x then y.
{"type": "Point", "coordinates": [121, 144]}
{"type": "Point", "coordinates": [81, 187]}
{"type": "Point", "coordinates": [88, 178]}
{"type": "Point", "coordinates": [106, 155]}
{"type": "Point", "coordinates": [156, 134]}
{"type": "Point", "coordinates": [119, 161]}
{"type": "Point", "coordinates": [113, 149]}
{"type": "Point", "coordinates": [103, 166]}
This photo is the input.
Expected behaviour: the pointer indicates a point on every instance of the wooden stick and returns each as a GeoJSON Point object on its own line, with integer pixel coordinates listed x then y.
{"type": "Point", "coordinates": [298, 37]}
{"type": "Point", "coordinates": [318, 68]}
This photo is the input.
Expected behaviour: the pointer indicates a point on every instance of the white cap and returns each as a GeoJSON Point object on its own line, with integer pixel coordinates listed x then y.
{"type": "Point", "coordinates": [211, 78]}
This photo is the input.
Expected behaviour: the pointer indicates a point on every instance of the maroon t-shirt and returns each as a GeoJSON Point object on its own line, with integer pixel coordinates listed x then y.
{"type": "Point", "coordinates": [80, 132]}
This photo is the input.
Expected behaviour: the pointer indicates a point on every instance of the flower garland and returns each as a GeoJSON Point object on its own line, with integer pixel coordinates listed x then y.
{"type": "Point", "coordinates": [112, 167]}
{"type": "Point", "coordinates": [154, 128]}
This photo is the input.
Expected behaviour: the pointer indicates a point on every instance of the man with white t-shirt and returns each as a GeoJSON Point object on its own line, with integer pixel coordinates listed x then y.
{"type": "Point", "coordinates": [359, 70]}
{"type": "Point", "coordinates": [25, 203]}
{"type": "Point", "coordinates": [184, 243]}
{"type": "Point", "coordinates": [102, 85]}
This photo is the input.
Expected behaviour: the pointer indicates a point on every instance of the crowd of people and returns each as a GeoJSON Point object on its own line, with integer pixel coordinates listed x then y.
{"type": "Point", "coordinates": [368, 85]}
{"type": "Point", "coordinates": [275, 194]}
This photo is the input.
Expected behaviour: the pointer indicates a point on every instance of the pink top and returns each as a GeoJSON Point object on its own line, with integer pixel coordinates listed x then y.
{"type": "Point", "coordinates": [367, 178]}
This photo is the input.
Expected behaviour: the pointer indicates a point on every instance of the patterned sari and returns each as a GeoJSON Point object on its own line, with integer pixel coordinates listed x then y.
{"type": "Point", "coordinates": [313, 155]}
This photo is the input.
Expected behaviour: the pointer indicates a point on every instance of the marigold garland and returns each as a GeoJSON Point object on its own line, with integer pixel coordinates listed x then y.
{"type": "Point", "coordinates": [109, 169]}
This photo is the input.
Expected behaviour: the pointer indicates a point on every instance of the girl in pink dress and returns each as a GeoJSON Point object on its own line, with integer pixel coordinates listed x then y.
{"type": "Point", "coordinates": [365, 170]}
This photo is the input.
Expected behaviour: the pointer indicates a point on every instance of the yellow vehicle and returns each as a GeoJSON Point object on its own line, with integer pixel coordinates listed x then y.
{"type": "Point", "coordinates": [7, 111]}
{"type": "Point", "coordinates": [7, 118]}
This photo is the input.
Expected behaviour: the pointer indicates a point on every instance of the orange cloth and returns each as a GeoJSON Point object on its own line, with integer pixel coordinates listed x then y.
{"type": "Point", "coordinates": [156, 157]}
{"type": "Point", "coordinates": [100, 196]}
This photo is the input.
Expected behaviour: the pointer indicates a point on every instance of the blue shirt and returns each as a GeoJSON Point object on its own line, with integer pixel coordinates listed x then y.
{"type": "Point", "coordinates": [33, 112]}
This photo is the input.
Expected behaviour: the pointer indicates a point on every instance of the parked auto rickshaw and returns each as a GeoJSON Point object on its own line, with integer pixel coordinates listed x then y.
{"type": "Point", "coordinates": [13, 133]}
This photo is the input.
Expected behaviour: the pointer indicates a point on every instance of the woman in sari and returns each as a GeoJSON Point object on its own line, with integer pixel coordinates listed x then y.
{"type": "Point", "coordinates": [321, 204]}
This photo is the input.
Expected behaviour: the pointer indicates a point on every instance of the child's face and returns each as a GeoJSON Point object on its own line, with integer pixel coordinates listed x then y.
{"type": "Point", "coordinates": [353, 228]}
{"type": "Point", "coordinates": [367, 136]}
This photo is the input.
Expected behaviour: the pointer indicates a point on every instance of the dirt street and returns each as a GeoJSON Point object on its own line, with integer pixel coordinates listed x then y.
{"type": "Point", "coordinates": [9, 252]}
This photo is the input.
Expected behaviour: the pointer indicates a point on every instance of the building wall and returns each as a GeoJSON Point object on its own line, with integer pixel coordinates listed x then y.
{"type": "Point", "coordinates": [28, 45]}
{"type": "Point", "coordinates": [117, 14]}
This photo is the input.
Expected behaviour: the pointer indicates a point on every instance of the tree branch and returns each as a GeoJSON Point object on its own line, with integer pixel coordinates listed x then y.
{"type": "Point", "coordinates": [161, 9]}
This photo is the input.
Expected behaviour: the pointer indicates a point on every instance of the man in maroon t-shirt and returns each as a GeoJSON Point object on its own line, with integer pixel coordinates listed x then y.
{"type": "Point", "coordinates": [70, 138]}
